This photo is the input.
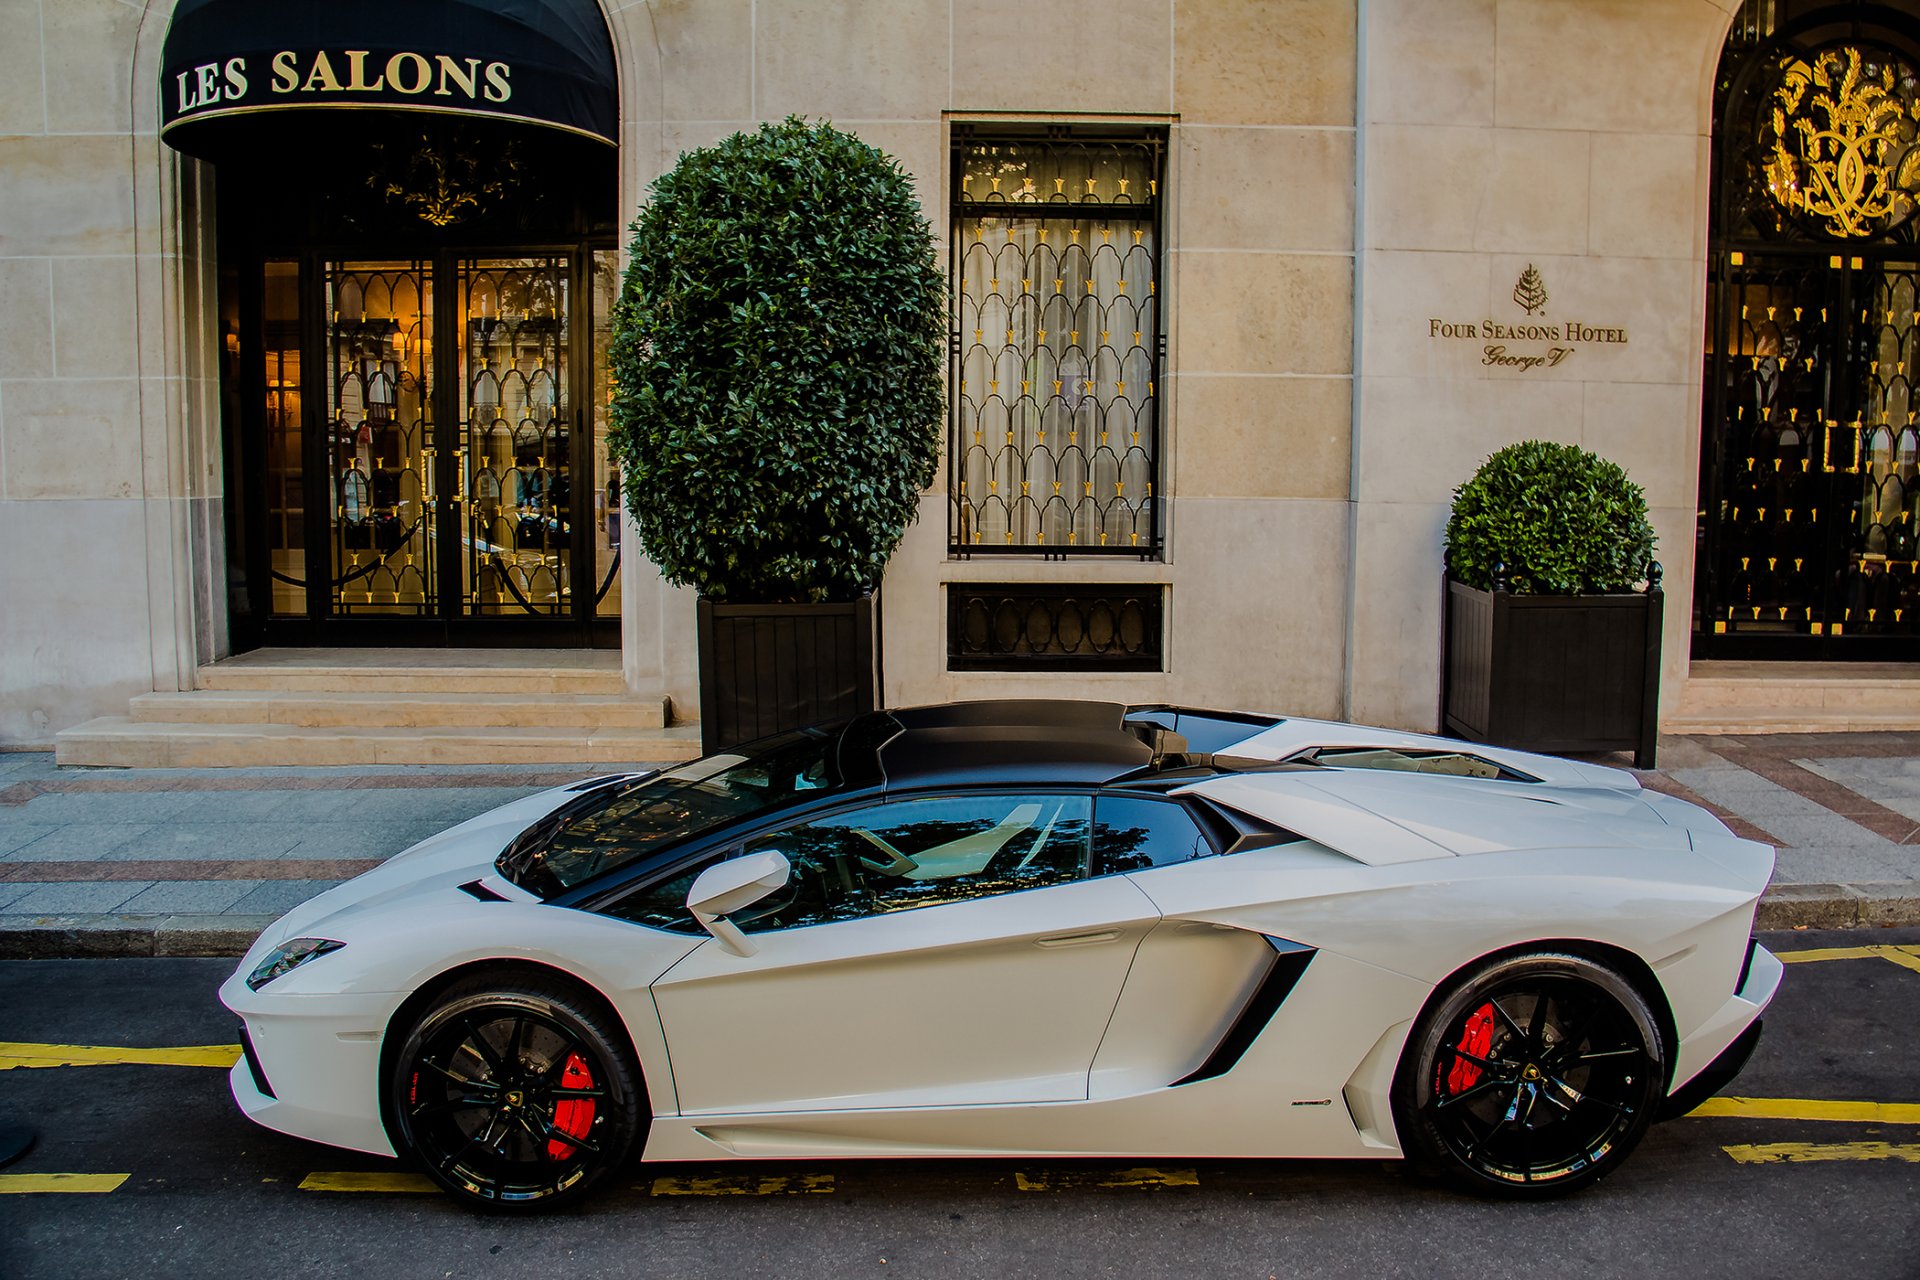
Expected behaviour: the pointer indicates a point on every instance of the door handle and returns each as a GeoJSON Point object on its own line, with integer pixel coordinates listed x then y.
{"type": "Point", "coordinates": [1079, 939]}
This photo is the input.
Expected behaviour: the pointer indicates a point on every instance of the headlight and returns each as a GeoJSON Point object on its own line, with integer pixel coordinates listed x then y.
{"type": "Point", "coordinates": [287, 957]}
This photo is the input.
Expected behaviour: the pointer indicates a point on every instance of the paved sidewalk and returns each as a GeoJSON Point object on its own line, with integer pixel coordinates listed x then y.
{"type": "Point", "coordinates": [197, 861]}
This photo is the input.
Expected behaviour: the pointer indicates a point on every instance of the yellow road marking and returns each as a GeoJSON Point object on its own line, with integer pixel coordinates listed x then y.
{"type": "Point", "coordinates": [1907, 957]}
{"type": "Point", "coordinates": [367, 1182]}
{"type": "Point", "coordinates": [105, 1055]}
{"type": "Point", "coordinates": [1119, 1178]}
{"type": "Point", "coordinates": [745, 1185]}
{"type": "Point", "coordinates": [1810, 1109]}
{"type": "Point", "coordinates": [1799, 1152]}
{"type": "Point", "coordinates": [34, 1184]}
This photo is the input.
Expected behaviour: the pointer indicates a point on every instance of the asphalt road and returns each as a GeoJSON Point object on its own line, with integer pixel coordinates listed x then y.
{"type": "Point", "coordinates": [209, 1195]}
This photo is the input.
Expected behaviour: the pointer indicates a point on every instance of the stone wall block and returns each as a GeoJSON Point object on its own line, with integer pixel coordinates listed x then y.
{"type": "Point", "coordinates": [846, 60]}
{"type": "Point", "coordinates": [23, 105]}
{"type": "Point", "coordinates": [26, 318]}
{"type": "Point", "coordinates": [1535, 193]}
{"type": "Point", "coordinates": [72, 439]}
{"type": "Point", "coordinates": [1265, 313]}
{"type": "Point", "coordinates": [94, 322]}
{"type": "Point", "coordinates": [73, 628]}
{"type": "Point", "coordinates": [1241, 188]}
{"type": "Point", "coordinates": [1651, 429]}
{"type": "Point", "coordinates": [65, 196]}
{"type": "Point", "coordinates": [1407, 297]}
{"type": "Point", "coordinates": [1629, 66]}
{"type": "Point", "coordinates": [705, 60]}
{"type": "Point", "coordinates": [1421, 438]}
{"type": "Point", "coordinates": [1449, 43]}
{"type": "Point", "coordinates": [1255, 437]}
{"type": "Point", "coordinates": [1016, 55]}
{"type": "Point", "coordinates": [1648, 197]}
{"type": "Point", "coordinates": [89, 56]}
{"type": "Point", "coordinates": [1395, 640]}
{"type": "Point", "coordinates": [1265, 61]}
{"type": "Point", "coordinates": [1259, 605]}
{"type": "Point", "coordinates": [1424, 186]}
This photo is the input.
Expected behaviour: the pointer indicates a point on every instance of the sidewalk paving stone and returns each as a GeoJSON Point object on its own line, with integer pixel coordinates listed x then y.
{"type": "Point", "coordinates": [83, 841]}
{"type": "Point", "coordinates": [72, 899]}
{"type": "Point", "coordinates": [190, 897]}
{"type": "Point", "coordinates": [277, 897]}
{"type": "Point", "coordinates": [15, 836]}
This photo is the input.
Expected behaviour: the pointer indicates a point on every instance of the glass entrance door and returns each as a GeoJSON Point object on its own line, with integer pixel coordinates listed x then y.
{"type": "Point", "coordinates": [421, 478]}
{"type": "Point", "coordinates": [1810, 495]}
{"type": "Point", "coordinates": [381, 444]}
{"type": "Point", "coordinates": [514, 453]}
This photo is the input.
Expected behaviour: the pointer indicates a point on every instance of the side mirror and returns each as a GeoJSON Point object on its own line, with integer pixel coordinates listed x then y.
{"type": "Point", "coordinates": [726, 887]}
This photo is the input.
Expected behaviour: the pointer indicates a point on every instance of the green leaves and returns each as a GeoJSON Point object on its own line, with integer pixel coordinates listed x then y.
{"type": "Point", "coordinates": [1564, 520]}
{"type": "Point", "coordinates": [777, 362]}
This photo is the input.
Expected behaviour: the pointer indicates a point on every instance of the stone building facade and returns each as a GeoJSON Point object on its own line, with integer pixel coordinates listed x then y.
{"type": "Point", "coordinates": [1349, 196]}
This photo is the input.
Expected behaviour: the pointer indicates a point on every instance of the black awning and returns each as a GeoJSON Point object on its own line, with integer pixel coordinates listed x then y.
{"type": "Point", "coordinates": [546, 62]}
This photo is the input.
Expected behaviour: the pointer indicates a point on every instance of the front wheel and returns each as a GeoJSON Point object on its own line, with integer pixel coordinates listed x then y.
{"type": "Point", "coordinates": [514, 1096]}
{"type": "Point", "coordinates": [1533, 1076]}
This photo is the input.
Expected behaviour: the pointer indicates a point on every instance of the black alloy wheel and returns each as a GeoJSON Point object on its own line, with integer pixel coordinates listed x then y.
{"type": "Point", "coordinates": [515, 1097]}
{"type": "Point", "coordinates": [1533, 1076]}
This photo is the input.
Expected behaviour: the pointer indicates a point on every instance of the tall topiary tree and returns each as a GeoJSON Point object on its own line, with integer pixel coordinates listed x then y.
{"type": "Point", "coordinates": [777, 355]}
{"type": "Point", "coordinates": [1562, 519]}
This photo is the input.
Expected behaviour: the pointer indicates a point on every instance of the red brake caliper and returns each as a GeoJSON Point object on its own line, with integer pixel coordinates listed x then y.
{"type": "Point", "coordinates": [1476, 1040]}
{"type": "Point", "coordinates": [571, 1116]}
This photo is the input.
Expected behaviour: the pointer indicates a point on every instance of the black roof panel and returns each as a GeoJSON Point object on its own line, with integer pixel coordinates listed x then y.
{"type": "Point", "coordinates": [1015, 740]}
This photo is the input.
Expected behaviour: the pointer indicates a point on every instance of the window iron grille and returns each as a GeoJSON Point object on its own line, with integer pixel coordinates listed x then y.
{"type": "Point", "coordinates": [1057, 346]}
{"type": "Point", "coordinates": [1002, 626]}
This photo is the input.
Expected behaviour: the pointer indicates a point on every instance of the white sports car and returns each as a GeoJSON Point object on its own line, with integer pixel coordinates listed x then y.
{"type": "Point", "coordinates": [1025, 928]}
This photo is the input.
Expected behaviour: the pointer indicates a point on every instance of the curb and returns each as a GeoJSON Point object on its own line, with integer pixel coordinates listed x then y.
{"type": "Point", "coordinates": [1840, 906]}
{"type": "Point", "coordinates": [1785, 906]}
{"type": "Point", "coordinates": [104, 936]}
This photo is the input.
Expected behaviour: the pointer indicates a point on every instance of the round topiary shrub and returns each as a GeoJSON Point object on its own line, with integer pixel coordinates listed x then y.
{"type": "Point", "coordinates": [777, 362]}
{"type": "Point", "coordinates": [1564, 521]}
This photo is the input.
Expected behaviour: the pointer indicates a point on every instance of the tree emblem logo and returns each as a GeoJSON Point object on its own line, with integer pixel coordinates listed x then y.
{"type": "Point", "coordinates": [1531, 291]}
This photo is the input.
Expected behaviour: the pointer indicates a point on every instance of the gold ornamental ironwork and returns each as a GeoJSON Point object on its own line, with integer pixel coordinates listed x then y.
{"type": "Point", "coordinates": [1843, 131]}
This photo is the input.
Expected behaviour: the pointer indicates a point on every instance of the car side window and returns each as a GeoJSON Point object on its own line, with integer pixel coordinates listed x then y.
{"type": "Point", "coordinates": [922, 853]}
{"type": "Point", "coordinates": [1133, 833]}
{"type": "Point", "coordinates": [663, 904]}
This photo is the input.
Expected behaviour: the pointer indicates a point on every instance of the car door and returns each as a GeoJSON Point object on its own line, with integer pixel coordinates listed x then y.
{"type": "Point", "coordinates": [1195, 988]}
{"type": "Point", "coordinates": [933, 951]}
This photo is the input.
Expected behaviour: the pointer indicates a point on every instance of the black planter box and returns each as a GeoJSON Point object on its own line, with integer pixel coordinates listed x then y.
{"type": "Point", "coordinates": [767, 668]}
{"type": "Point", "coordinates": [1553, 673]}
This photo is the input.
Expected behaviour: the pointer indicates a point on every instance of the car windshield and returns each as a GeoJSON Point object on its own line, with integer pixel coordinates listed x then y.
{"type": "Point", "coordinates": [612, 827]}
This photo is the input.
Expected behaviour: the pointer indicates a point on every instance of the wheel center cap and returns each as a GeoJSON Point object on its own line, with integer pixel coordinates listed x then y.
{"type": "Point", "coordinates": [515, 1097]}
{"type": "Point", "coordinates": [1530, 1072]}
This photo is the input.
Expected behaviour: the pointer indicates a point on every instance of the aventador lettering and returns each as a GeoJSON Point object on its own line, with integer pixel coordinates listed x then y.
{"type": "Point", "coordinates": [407, 74]}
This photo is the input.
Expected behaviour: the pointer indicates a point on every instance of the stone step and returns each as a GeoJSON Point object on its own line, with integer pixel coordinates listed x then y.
{"type": "Point", "coordinates": [1771, 718]}
{"type": "Point", "coordinates": [1812, 696]}
{"type": "Point", "coordinates": [290, 679]}
{"type": "Point", "coordinates": [262, 707]}
{"type": "Point", "coordinates": [116, 741]}
{"type": "Point", "coordinates": [522, 671]}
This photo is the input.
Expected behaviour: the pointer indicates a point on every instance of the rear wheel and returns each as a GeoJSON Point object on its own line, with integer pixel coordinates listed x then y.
{"type": "Point", "coordinates": [1533, 1076]}
{"type": "Point", "coordinates": [515, 1096]}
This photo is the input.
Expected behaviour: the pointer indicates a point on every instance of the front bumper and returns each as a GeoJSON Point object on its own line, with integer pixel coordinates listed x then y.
{"type": "Point", "coordinates": [318, 1058]}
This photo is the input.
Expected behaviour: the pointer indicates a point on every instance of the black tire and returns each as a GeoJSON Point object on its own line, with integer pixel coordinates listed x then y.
{"type": "Point", "coordinates": [515, 1096]}
{"type": "Point", "coordinates": [1531, 1076]}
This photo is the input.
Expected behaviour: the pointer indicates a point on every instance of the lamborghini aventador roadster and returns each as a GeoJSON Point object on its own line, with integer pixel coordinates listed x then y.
{"type": "Point", "coordinates": [1025, 929]}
